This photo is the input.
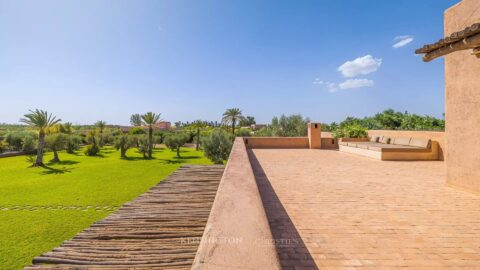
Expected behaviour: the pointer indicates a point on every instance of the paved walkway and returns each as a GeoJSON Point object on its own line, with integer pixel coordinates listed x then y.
{"type": "Point", "coordinates": [333, 210]}
{"type": "Point", "coordinates": [160, 229]}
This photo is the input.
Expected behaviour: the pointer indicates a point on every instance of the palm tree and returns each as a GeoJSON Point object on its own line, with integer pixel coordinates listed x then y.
{"type": "Point", "coordinates": [231, 117]}
{"type": "Point", "coordinates": [198, 125]}
{"type": "Point", "coordinates": [42, 121]}
{"type": "Point", "coordinates": [150, 119]}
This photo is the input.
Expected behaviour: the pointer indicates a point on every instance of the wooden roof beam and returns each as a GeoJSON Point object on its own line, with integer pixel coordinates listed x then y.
{"type": "Point", "coordinates": [471, 42]}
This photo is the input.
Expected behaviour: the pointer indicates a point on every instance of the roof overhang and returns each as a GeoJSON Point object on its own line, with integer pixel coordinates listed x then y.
{"type": "Point", "coordinates": [469, 38]}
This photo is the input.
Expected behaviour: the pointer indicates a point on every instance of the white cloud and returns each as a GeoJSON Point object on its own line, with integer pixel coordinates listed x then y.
{"type": "Point", "coordinates": [355, 83]}
{"type": "Point", "coordinates": [401, 41]}
{"type": "Point", "coordinates": [317, 81]}
{"type": "Point", "coordinates": [360, 66]}
{"type": "Point", "coordinates": [348, 84]}
{"type": "Point", "coordinates": [331, 87]}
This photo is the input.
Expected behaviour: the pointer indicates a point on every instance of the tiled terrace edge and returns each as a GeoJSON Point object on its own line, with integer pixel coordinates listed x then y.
{"type": "Point", "coordinates": [237, 233]}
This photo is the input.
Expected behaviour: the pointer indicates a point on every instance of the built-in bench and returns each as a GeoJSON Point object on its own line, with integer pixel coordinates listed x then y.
{"type": "Point", "coordinates": [385, 148]}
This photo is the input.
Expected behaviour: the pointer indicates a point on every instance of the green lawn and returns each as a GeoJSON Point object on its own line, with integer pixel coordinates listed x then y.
{"type": "Point", "coordinates": [42, 207]}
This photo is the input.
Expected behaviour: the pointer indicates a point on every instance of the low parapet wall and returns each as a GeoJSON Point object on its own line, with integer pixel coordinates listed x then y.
{"type": "Point", "coordinates": [276, 142]}
{"type": "Point", "coordinates": [437, 136]}
{"type": "Point", "coordinates": [13, 154]}
{"type": "Point", "coordinates": [237, 228]}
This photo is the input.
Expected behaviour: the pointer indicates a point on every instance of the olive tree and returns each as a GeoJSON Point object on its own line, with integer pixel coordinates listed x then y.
{"type": "Point", "coordinates": [217, 146]}
{"type": "Point", "coordinates": [56, 142]}
{"type": "Point", "coordinates": [123, 143]}
{"type": "Point", "coordinates": [136, 120]}
{"type": "Point", "coordinates": [176, 140]}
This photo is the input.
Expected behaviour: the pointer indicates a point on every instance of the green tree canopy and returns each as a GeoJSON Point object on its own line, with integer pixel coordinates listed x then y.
{"type": "Point", "coordinates": [176, 140]}
{"type": "Point", "coordinates": [123, 143]}
{"type": "Point", "coordinates": [217, 145]}
{"type": "Point", "coordinates": [136, 120]}
{"type": "Point", "coordinates": [56, 142]}
{"type": "Point", "coordinates": [247, 121]}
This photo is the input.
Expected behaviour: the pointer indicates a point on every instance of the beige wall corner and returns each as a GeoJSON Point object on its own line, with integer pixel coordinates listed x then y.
{"type": "Point", "coordinates": [462, 103]}
{"type": "Point", "coordinates": [315, 135]}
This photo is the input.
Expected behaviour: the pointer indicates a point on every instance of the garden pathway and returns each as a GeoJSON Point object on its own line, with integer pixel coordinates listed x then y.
{"type": "Point", "coordinates": [160, 229]}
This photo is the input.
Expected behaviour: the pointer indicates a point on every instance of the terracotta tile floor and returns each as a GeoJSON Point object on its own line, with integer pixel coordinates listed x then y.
{"type": "Point", "coordinates": [333, 210]}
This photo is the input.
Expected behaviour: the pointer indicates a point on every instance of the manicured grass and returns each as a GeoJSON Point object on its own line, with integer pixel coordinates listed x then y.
{"type": "Point", "coordinates": [42, 207]}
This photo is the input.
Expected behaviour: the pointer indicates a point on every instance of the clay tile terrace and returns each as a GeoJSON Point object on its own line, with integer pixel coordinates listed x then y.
{"type": "Point", "coordinates": [299, 203]}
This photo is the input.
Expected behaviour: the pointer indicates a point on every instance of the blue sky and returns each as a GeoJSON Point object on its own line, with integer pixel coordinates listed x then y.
{"type": "Point", "coordinates": [104, 60]}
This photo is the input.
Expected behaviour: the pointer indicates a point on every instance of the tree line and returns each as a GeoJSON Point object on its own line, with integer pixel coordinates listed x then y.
{"type": "Point", "coordinates": [214, 139]}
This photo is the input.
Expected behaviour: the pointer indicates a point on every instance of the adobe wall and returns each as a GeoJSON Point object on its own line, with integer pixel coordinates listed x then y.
{"type": "Point", "coordinates": [276, 142]}
{"type": "Point", "coordinates": [237, 233]}
{"type": "Point", "coordinates": [462, 103]}
{"type": "Point", "coordinates": [437, 136]}
{"type": "Point", "coordinates": [315, 135]}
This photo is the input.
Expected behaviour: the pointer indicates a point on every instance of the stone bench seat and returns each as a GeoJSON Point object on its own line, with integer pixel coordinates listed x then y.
{"type": "Point", "coordinates": [393, 148]}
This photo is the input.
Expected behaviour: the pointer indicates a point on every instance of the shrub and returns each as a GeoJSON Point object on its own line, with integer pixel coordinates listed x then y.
{"type": "Point", "coordinates": [294, 125]}
{"type": "Point", "coordinates": [217, 146]}
{"type": "Point", "coordinates": [290, 126]}
{"type": "Point", "coordinates": [247, 121]}
{"type": "Point", "coordinates": [28, 144]}
{"type": "Point", "coordinates": [73, 143]}
{"type": "Point", "coordinates": [14, 140]}
{"type": "Point", "coordinates": [264, 132]}
{"type": "Point", "coordinates": [105, 138]}
{"type": "Point", "coordinates": [92, 137]}
{"type": "Point", "coordinates": [137, 131]}
{"type": "Point", "coordinates": [116, 132]}
{"type": "Point", "coordinates": [242, 132]}
{"type": "Point", "coordinates": [161, 133]}
{"type": "Point", "coordinates": [142, 144]}
{"type": "Point", "coordinates": [175, 141]}
{"type": "Point", "coordinates": [56, 142]}
{"type": "Point", "coordinates": [91, 150]}
{"type": "Point", "coordinates": [350, 131]}
{"type": "Point", "coordinates": [157, 140]}
{"type": "Point", "coordinates": [123, 143]}
{"type": "Point", "coordinates": [3, 146]}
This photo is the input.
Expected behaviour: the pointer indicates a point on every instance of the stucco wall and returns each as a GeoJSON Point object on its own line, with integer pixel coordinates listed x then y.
{"type": "Point", "coordinates": [462, 108]}
{"type": "Point", "coordinates": [432, 135]}
{"type": "Point", "coordinates": [237, 232]}
{"type": "Point", "coordinates": [276, 142]}
{"type": "Point", "coordinates": [329, 143]}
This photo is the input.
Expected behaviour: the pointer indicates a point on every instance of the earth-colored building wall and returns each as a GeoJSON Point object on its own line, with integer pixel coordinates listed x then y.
{"type": "Point", "coordinates": [437, 136]}
{"type": "Point", "coordinates": [462, 103]}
